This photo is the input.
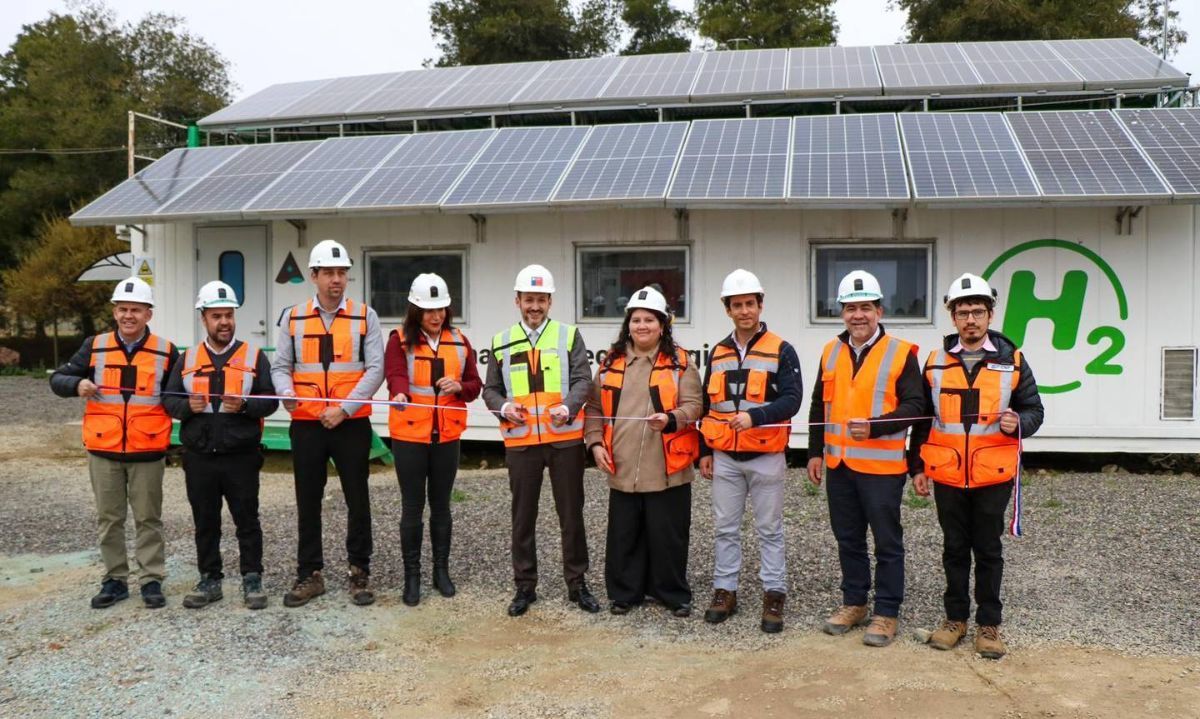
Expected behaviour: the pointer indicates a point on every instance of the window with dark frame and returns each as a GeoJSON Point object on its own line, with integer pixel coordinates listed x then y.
{"type": "Point", "coordinates": [608, 277]}
{"type": "Point", "coordinates": [903, 272]}
{"type": "Point", "coordinates": [390, 275]}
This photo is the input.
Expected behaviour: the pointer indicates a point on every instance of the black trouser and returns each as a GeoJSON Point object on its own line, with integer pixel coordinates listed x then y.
{"type": "Point", "coordinates": [349, 446]}
{"type": "Point", "coordinates": [647, 550]}
{"type": "Point", "coordinates": [525, 468]}
{"type": "Point", "coordinates": [857, 502]}
{"type": "Point", "coordinates": [425, 471]}
{"type": "Point", "coordinates": [233, 477]}
{"type": "Point", "coordinates": [973, 521]}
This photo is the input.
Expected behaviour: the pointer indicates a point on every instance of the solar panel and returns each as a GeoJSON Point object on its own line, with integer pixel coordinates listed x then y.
{"type": "Point", "coordinates": [327, 174]}
{"type": "Point", "coordinates": [624, 162]}
{"type": "Point", "coordinates": [847, 157]}
{"type": "Point", "coordinates": [922, 69]}
{"type": "Point", "coordinates": [1028, 64]}
{"type": "Point", "coordinates": [156, 185]}
{"type": "Point", "coordinates": [1117, 63]}
{"type": "Point", "coordinates": [1171, 138]}
{"type": "Point", "coordinates": [741, 73]}
{"type": "Point", "coordinates": [1081, 154]}
{"type": "Point", "coordinates": [826, 71]}
{"type": "Point", "coordinates": [964, 156]}
{"type": "Point", "coordinates": [570, 80]}
{"type": "Point", "coordinates": [336, 96]}
{"type": "Point", "coordinates": [489, 85]}
{"type": "Point", "coordinates": [665, 76]}
{"type": "Point", "coordinates": [264, 104]}
{"type": "Point", "coordinates": [410, 92]}
{"type": "Point", "coordinates": [229, 187]}
{"type": "Point", "coordinates": [733, 160]}
{"type": "Point", "coordinates": [421, 171]}
{"type": "Point", "coordinates": [522, 165]}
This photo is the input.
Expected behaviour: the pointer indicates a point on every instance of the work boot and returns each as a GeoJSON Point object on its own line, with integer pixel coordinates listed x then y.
{"type": "Point", "coordinates": [881, 631]}
{"type": "Point", "coordinates": [252, 593]}
{"type": "Point", "coordinates": [207, 591]}
{"type": "Point", "coordinates": [845, 618]}
{"type": "Point", "coordinates": [152, 595]}
{"type": "Point", "coordinates": [439, 537]}
{"type": "Point", "coordinates": [305, 589]}
{"type": "Point", "coordinates": [724, 606]}
{"type": "Point", "coordinates": [410, 551]}
{"type": "Point", "coordinates": [948, 635]}
{"type": "Point", "coordinates": [988, 643]}
{"type": "Point", "coordinates": [772, 614]}
{"type": "Point", "coordinates": [360, 590]}
{"type": "Point", "coordinates": [111, 592]}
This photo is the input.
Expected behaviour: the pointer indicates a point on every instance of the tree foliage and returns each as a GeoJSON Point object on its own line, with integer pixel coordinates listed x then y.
{"type": "Point", "coordinates": [480, 32]}
{"type": "Point", "coordinates": [767, 23]}
{"type": "Point", "coordinates": [655, 26]}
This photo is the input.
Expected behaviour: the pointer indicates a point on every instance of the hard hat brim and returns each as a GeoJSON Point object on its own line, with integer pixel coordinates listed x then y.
{"type": "Point", "coordinates": [216, 303]}
{"type": "Point", "coordinates": [430, 304]}
{"type": "Point", "coordinates": [537, 291]}
{"type": "Point", "coordinates": [860, 297]}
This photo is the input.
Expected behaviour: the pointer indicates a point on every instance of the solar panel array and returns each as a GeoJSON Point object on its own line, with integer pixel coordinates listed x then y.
{"type": "Point", "coordinates": [964, 156]}
{"type": "Point", "coordinates": [522, 165]}
{"type": "Point", "coordinates": [1171, 139]}
{"type": "Point", "coordinates": [327, 174]}
{"type": "Point", "coordinates": [733, 160]}
{"type": "Point", "coordinates": [421, 172]}
{"type": "Point", "coordinates": [624, 162]}
{"type": "Point", "coordinates": [847, 157]}
{"type": "Point", "coordinates": [234, 183]}
{"type": "Point", "coordinates": [709, 77]}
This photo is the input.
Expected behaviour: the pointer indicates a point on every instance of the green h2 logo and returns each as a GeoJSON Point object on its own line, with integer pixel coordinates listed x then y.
{"type": "Point", "coordinates": [1064, 312]}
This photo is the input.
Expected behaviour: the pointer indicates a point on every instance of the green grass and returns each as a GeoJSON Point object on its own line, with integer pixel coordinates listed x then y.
{"type": "Point", "coordinates": [457, 495]}
{"type": "Point", "coordinates": [914, 501]}
{"type": "Point", "coordinates": [1053, 503]}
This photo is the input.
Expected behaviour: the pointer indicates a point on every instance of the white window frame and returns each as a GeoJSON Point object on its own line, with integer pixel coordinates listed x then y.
{"type": "Point", "coordinates": [581, 249]}
{"type": "Point", "coordinates": [461, 304]}
{"type": "Point", "coordinates": [930, 247]}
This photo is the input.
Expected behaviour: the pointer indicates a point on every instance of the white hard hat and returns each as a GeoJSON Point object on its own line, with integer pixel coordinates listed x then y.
{"type": "Point", "coordinates": [648, 298]}
{"type": "Point", "coordinates": [535, 278]}
{"type": "Point", "coordinates": [969, 285]}
{"type": "Point", "coordinates": [216, 294]}
{"type": "Point", "coordinates": [859, 286]}
{"type": "Point", "coordinates": [328, 253]}
{"type": "Point", "coordinates": [741, 282]}
{"type": "Point", "coordinates": [133, 289]}
{"type": "Point", "coordinates": [429, 292]}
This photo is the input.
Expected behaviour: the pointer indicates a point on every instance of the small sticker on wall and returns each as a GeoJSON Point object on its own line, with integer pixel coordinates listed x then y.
{"type": "Point", "coordinates": [290, 272]}
{"type": "Point", "coordinates": [145, 269]}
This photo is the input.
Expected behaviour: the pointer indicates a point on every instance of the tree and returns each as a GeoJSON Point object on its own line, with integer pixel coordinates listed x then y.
{"type": "Point", "coordinates": [655, 26]}
{"type": "Point", "coordinates": [767, 23]}
{"type": "Point", "coordinates": [970, 20]}
{"type": "Point", "coordinates": [480, 32]}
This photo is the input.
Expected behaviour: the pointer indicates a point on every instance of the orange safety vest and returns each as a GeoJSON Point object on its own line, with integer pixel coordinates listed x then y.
{"type": "Point", "coordinates": [425, 367]}
{"type": "Point", "coordinates": [538, 377]}
{"type": "Point", "coordinates": [729, 392]}
{"type": "Point", "coordinates": [131, 422]}
{"type": "Point", "coordinates": [865, 395]}
{"type": "Point", "coordinates": [681, 447]}
{"type": "Point", "coordinates": [969, 451]}
{"type": "Point", "coordinates": [328, 363]}
{"type": "Point", "coordinates": [237, 373]}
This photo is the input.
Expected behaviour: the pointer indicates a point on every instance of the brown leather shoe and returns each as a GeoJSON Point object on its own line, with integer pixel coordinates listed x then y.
{"type": "Point", "coordinates": [845, 618]}
{"type": "Point", "coordinates": [772, 615]}
{"type": "Point", "coordinates": [724, 606]}
{"type": "Point", "coordinates": [305, 589]}
{"type": "Point", "coordinates": [988, 643]}
{"type": "Point", "coordinates": [360, 590]}
{"type": "Point", "coordinates": [948, 635]}
{"type": "Point", "coordinates": [881, 631]}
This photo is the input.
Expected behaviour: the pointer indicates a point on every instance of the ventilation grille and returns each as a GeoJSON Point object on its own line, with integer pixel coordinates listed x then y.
{"type": "Point", "coordinates": [1179, 383]}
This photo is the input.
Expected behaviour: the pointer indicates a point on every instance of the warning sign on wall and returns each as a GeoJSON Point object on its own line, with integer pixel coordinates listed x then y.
{"type": "Point", "coordinates": [144, 269]}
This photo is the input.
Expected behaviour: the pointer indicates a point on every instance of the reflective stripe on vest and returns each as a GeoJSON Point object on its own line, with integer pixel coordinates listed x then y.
{"type": "Point", "coordinates": [728, 396]}
{"type": "Point", "coordinates": [846, 397]}
{"type": "Point", "coordinates": [541, 388]}
{"type": "Point", "coordinates": [680, 448]}
{"type": "Point", "coordinates": [422, 424]}
{"type": "Point", "coordinates": [130, 422]}
{"type": "Point", "coordinates": [238, 372]}
{"type": "Point", "coordinates": [328, 362]}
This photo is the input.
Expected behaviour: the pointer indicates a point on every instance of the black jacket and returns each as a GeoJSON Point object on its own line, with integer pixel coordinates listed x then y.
{"type": "Point", "coordinates": [222, 432]}
{"type": "Point", "coordinates": [1026, 401]}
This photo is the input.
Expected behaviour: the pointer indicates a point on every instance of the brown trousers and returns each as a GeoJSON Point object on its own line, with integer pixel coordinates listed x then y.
{"type": "Point", "coordinates": [525, 472]}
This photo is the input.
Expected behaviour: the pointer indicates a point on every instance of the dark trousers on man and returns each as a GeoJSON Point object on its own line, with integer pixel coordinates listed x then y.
{"type": "Point", "coordinates": [211, 478]}
{"type": "Point", "coordinates": [525, 469]}
{"type": "Point", "coordinates": [858, 502]}
{"type": "Point", "coordinates": [972, 522]}
{"type": "Point", "coordinates": [425, 471]}
{"type": "Point", "coordinates": [349, 446]}
{"type": "Point", "coordinates": [647, 549]}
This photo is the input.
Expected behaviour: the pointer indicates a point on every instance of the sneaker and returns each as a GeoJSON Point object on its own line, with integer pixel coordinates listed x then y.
{"type": "Point", "coordinates": [845, 618]}
{"type": "Point", "coordinates": [305, 589]}
{"type": "Point", "coordinates": [111, 592]}
{"type": "Point", "coordinates": [207, 591]}
{"type": "Point", "coordinates": [988, 643]}
{"type": "Point", "coordinates": [152, 595]}
{"type": "Point", "coordinates": [772, 613]}
{"type": "Point", "coordinates": [948, 635]}
{"type": "Point", "coordinates": [360, 592]}
{"type": "Point", "coordinates": [252, 592]}
{"type": "Point", "coordinates": [724, 606]}
{"type": "Point", "coordinates": [881, 631]}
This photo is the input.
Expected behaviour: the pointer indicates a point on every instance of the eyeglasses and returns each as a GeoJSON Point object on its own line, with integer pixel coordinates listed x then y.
{"type": "Point", "coordinates": [970, 314]}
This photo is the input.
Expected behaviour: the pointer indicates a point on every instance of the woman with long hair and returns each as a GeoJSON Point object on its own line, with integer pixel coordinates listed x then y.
{"type": "Point", "coordinates": [429, 365]}
{"type": "Point", "coordinates": [640, 430]}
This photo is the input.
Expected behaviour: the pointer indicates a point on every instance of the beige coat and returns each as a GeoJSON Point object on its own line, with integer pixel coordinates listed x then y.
{"type": "Point", "coordinates": [637, 449]}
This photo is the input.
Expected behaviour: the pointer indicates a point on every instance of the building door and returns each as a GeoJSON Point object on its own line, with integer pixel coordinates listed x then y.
{"type": "Point", "coordinates": [238, 257]}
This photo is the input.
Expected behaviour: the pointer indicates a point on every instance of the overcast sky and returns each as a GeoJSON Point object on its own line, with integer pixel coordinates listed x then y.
{"type": "Point", "coordinates": [270, 42]}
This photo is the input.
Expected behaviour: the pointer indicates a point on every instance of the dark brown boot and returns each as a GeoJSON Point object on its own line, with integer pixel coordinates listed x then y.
{"type": "Point", "coordinates": [772, 615]}
{"type": "Point", "coordinates": [724, 606]}
{"type": "Point", "coordinates": [360, 589]}
{"type": "Point", "coordinates": [305, 589]}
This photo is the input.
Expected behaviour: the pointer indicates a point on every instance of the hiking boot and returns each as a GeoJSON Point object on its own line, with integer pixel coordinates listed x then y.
{"type": "Point", "coordinates": [845, 618]}
{"type": "Point", "coordinates": [305, 589]}
{"type": "Point", "coordinates": [772, 614]}
{"type": "Point", "coordinates": [207, 591]}
{"type": "Point", "coordinates": [724, 606]}
{"type": "Point", "coordinates": [111, 592]}
{"type": "Point", "coordinates": [152, 595]}
{"type": "Point", "coordinates": [948, 635]}
{"type": "Point", "coordinates": [252, 592]}
{"type": "Point", "coordinates": [988, 643]}
{"type": "Point", "coordinates": [881, 631]}
{"type": "Point", "coordinates": [360, 593]}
